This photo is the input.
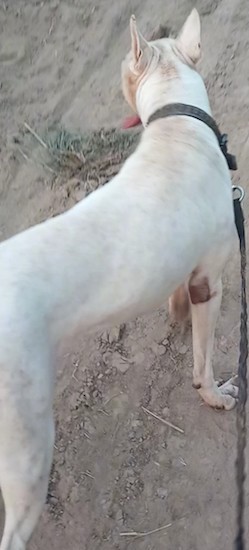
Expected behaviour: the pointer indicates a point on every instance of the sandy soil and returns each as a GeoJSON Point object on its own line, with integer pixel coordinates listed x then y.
{"type": "Point", "coordinates": [115, 468]}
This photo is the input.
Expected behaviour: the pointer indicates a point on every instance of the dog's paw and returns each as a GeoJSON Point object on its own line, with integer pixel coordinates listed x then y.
{"type": "Point", "coordinates": [223, 396]}
{"type": "Point", "coordinates": [229, 387]}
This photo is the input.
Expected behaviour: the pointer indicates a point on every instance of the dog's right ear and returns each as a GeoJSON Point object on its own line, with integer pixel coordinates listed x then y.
{"type": "Point", "coordinates": [140, 48]}
{"type": "Point", "coordinates": [189, 39]}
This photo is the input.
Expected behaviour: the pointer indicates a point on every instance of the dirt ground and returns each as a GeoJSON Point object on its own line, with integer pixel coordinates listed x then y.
{"type": "Point", "coordinates": [116, 469]}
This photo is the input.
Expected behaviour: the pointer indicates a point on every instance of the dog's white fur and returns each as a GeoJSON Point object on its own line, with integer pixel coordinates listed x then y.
{"type": "Point", "coordinates": [166, 218]}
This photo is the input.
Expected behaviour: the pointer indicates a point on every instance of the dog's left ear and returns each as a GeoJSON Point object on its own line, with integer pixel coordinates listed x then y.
{"type": "Point", "coordinates": [140, 48]}
{"type": "Point", "coordinates": [189, 39]}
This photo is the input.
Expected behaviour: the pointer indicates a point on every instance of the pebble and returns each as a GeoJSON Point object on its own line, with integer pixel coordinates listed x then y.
{"type": "Point", "coordinates": [114, 335]}
{"type": "Point", "coordinates": [183, 349]}
{"type": "Point", "coordinates": [108, 371]}
{"type": "Point", "coordinates": [53, 500]}
{"type": "Point", "coordinates": [120, 364]}
{"type": "Point", "coordinates": [119, 515]}
{"type": "Point", "coordinates": [158, 349]}
{"type": "Point", "coordinates": [74, 494]}
{"type": "Point", "coordinates": [88, 427]}
{"type": "Point", "coordinates": [106, 357]}
{"type": "Point", "coordinates": [162, 492]}
{"type": "Point", "coordinates": [131, 480]}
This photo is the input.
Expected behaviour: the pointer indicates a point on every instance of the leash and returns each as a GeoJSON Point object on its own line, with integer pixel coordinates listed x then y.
{"type": "Point", "coordinates": [239, 543]}
{"type": "Point", "coordinates": [181, 109]}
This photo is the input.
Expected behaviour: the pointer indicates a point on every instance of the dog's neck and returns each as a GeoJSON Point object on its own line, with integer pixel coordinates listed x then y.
{"type": "Point", "coordinates": [157, 91]}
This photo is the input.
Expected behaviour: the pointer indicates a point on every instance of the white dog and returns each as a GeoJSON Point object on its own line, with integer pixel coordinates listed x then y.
{"type": "Point", "coordinates": [164, 221]}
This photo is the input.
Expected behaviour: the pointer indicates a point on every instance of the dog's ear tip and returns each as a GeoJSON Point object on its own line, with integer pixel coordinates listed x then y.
{"type": "Point", "coordinates": [195, 15]}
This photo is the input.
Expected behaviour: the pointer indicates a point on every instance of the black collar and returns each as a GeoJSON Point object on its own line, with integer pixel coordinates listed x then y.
{"type": "Point", "coordinates": [176, 109]}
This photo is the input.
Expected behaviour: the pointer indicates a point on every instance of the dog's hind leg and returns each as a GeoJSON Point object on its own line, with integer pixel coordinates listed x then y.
{"type": "Point", "coordinates": [205, 296]}
{"type": "Point", "coordinates": [26, 448]}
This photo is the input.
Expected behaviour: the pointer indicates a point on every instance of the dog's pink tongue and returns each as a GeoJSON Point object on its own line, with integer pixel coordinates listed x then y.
{"type": "Point", "coordinates": [131, 121]}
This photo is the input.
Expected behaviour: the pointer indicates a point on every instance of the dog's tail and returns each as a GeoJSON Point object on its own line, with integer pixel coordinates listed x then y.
{"type": "Point", "coordinates": [179, 304]}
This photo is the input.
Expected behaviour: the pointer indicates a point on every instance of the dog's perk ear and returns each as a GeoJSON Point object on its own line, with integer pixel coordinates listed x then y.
{"type": "Point", "coordinates": [140, 48]}
{"type": "Point", "coordinates": [189, 39]}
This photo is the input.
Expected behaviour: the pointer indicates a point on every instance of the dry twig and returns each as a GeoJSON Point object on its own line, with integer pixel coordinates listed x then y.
{"type": "Point", "coordinates": [87, 474]}
{"type": "Point", "coordinates": [35, 135]}
{"type": "Point", "coordinates": [146, 533]}
{"type": "Point", "coordinates": [166, 422]}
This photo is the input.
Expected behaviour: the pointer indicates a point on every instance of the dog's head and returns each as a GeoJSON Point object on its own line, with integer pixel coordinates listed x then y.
{"type": "Point", "coordinates": [160, 58]}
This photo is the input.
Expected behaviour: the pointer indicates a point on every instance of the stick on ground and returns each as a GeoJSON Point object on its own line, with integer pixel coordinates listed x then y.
{"type": "Point", "coordinates": [147, 533]}
{"type": "Point", "coordinates": [166, 422]}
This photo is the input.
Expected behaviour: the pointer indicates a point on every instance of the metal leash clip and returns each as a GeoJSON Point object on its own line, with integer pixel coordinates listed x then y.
{"type": "Point", "coordinates": [239, 191]}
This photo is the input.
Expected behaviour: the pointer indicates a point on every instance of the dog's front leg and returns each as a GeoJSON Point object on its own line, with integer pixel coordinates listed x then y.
{"type": "Point", "coordinates": [205, 305]}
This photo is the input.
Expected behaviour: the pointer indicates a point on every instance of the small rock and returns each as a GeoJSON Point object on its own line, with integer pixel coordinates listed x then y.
{"type": "Point", "coordinates": [158, 349]}
{"type": "Point", "coordinates": [104, 336]}
{"type": "Point", "coordinates": [162, 493]}
{"type": "Point", "coordinates": [106, 357]}
{"type": "Point", "coordinates": [88, 427]}
{"type": "Point", "coordinates": [131, 480]}
{"type": "Point", "coordinates": [74, 494]}
{"type": "Point", "coordinates": [165, 342]}
{"type": "Point", "coordinates": [165, 411]}
{"type": "Point", "coordinates": [120, 364]}
{"type": "Point", "coordinates": [53, 500]}
{"type": "Point", "coordinates": [100, 376]}
{"type": "Point", "coordinates": [119, 515]}
{"type": "Point", "coordinates": [108, 371]}
{"type": "Point", "coordinates": [183, 349]}
{"type": "Point", "coordinates": [161, 349]}
{"type": "Point", "coordinates": [114, 335]}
